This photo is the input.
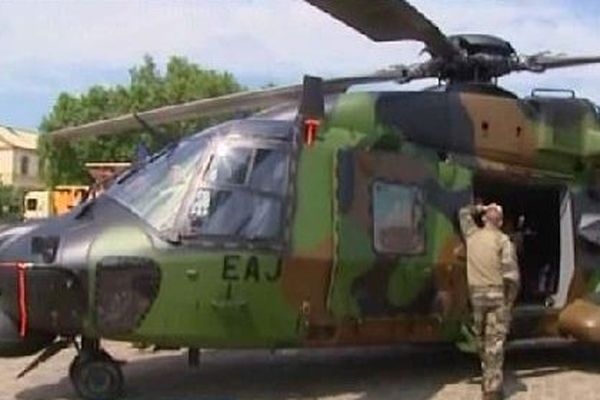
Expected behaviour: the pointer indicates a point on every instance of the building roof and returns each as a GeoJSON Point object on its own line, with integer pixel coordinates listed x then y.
{"type": "Point", "coordinates": [19, 138]}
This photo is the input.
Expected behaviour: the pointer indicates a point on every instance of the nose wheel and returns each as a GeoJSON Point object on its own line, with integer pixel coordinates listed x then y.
{"type": "Point", "coordinates": [95, 375]}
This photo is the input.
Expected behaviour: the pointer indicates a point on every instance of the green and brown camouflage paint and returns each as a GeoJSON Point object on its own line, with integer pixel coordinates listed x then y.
{"type": "Point", "coordinates": [329, 286]}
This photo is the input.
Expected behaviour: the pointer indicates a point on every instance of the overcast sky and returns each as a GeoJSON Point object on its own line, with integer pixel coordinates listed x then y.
{"type": "Point", "coordinates": [51, 46]}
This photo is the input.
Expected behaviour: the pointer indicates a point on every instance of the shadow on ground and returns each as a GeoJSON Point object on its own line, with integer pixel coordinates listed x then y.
{"type": "Point", "coordinates": [356, 374]}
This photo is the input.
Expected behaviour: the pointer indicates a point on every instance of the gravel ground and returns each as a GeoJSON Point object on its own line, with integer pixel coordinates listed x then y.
{"type": "Point", "coordinates": [546, 372]}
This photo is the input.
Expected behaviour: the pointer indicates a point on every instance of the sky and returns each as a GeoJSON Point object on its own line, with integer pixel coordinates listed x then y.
{"type": "Point", "coordinates": [47, 47]}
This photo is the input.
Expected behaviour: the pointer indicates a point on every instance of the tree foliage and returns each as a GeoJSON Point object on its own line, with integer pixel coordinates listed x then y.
{"type": "Point", "coordinates": [148, 88]}
{"type": "Point", "coordinates": [11, 204]}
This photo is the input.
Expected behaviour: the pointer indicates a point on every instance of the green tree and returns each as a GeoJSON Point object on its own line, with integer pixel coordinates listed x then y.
{"type": "Point", "coordinates": [148, 88]}
{"type": "Point", "coordinates": [11, 204]}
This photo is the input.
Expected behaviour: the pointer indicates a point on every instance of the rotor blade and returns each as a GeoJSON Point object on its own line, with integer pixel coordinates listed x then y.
{"type": "Point", "coordinates": [388, 20]}
{"type": "Point", "coordinates": [237, 102]}
{"type": "Point", "coordinates": [542, 62]}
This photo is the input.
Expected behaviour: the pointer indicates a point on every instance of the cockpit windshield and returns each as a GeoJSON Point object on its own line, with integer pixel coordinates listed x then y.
{"type": "Point", "coordinates": [228, 183]}
{"type": "Point", "coordinates": [156, 191]}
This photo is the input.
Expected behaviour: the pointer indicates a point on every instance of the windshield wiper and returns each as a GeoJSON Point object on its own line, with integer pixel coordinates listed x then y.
{"type": "Point", "coordinates": [167, 150]}
{"type": "Point", "coordinates": [85, 207]}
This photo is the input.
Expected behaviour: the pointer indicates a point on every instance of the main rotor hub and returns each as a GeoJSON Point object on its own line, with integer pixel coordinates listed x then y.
{"type": "Point", "coordinates": [482, 44]}
{"type": "Point", "coordinates": [480, 59]}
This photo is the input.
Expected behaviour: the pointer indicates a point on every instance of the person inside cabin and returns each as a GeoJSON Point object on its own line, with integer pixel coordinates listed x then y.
{"type": "Point", "coordinates": [493, 279]}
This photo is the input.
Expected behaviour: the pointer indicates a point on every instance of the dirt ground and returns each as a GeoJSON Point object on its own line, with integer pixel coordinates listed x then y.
{"type": "Point", "coordinates": [546, 372]}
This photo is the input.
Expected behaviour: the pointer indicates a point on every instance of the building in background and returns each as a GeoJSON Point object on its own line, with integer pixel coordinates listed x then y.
{"type": "Point", "coordinates": [61, 199]}
{"type": "Point", "coordinates": [19, 160]}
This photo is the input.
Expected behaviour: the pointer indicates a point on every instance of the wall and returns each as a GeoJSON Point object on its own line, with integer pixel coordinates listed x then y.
{"type": "Point", "coordinates": [31, 179]}
{"type": "Point", "coordinates": [6, 166]}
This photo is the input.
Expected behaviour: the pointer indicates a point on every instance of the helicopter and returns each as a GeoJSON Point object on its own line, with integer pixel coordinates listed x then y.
{"type": "Point", "coordinates": [327, 218]}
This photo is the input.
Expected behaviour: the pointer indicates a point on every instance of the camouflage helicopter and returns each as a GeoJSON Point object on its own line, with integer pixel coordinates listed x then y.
{"type": "Point", "coordinates": [328, 219]}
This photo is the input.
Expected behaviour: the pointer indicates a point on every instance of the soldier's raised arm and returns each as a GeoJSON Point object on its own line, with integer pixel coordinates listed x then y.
{"type": "Point", "coordinates": [467, 222]}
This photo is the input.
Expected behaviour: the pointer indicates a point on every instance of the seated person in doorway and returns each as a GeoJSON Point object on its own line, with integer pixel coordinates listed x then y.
{"type": "Point", "coordinates": [514, 227]}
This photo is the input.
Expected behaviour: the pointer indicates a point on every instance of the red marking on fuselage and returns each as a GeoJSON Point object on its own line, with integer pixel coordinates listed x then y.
{"type": "Point", "coordinates": [311, 127]}
{"type": "Point", "coordinates": [8, 264]}
{"type": "Point", "coordinates": [22, 297]}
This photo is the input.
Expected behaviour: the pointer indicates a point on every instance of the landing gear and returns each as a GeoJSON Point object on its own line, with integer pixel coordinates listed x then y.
{"type": "Point", "coordinates": [94, 374]}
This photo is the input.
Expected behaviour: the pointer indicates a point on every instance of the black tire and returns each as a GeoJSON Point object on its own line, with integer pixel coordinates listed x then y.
{"type": "Point", "coordinates": [72, 368]}
{"type": "Point", "coordinates": [96, 378]}
{"type": "Point", "coordinates": [99, 355]}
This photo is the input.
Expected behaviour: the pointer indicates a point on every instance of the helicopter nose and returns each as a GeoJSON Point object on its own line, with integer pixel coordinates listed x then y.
{"type": "Point", "coordinates": [12, 344]}
{"type": "Point", "coordinates": [40, 298]}
{"type": "Point", "coordinates": [37, 303]}
{"type": "Point", "coordinates": [15, 338]}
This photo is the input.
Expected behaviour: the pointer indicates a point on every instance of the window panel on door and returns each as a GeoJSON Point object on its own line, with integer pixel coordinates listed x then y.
{"type": "Point", "coordinates": [398, 219]}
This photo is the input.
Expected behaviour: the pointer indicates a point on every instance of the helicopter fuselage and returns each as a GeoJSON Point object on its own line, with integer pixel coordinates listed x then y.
{"type": "Point", "coordinates": [247, 236]}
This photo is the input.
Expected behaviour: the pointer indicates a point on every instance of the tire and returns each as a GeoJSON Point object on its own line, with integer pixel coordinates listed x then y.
{"type": "Point", "coordinates": [99, 355]}
{"type": "Point", "coordinates": [96, 378]}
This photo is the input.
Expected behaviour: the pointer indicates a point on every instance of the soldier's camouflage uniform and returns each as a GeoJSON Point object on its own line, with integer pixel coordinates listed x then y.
{"type": "Point", "coordinates": [493, 277]}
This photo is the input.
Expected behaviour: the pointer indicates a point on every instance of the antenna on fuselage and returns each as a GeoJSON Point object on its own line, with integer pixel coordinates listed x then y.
{"type": "Point", "coordinates": [312, 107]}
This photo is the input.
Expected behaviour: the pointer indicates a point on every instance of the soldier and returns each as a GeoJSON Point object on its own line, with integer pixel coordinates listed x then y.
{"type": "Point", "coordinates": [493, 278]}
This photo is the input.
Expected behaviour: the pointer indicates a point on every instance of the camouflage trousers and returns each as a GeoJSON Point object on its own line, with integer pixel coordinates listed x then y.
{"type": "Point", "coordinates": [491, 321]}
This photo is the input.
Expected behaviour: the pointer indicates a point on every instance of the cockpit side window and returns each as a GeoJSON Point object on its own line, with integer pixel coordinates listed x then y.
{"type": "Point", "coordinates": [270, 171]}
{"type": "Point", "coordinates": [235, 213]}
{"type": "Point", "coordinates": [228, 165]}
{"type": "Point", "coordinates": [241, 195]}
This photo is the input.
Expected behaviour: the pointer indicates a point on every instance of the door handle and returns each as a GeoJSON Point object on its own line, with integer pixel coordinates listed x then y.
{"type": "Point", "coordinates": [228, 304]}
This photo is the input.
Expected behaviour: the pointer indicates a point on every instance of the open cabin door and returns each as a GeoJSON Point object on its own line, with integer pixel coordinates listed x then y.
{"type": "Point", "coordinates": [396, 238]}
{"type": "Point", "coordinates": [579, 301]}
{"type": "Point", "coordinates": [567, 253]}
{"type": "Point", "coordinates": [538, 217]}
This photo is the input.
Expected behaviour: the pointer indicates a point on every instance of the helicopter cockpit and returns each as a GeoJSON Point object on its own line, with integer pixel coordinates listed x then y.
{"type": "Point", "coordinates": [228, 183]}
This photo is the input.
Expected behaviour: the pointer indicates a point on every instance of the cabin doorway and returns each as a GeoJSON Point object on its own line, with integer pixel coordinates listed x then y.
{"type": "Point", "coordinates": [538, 219]}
